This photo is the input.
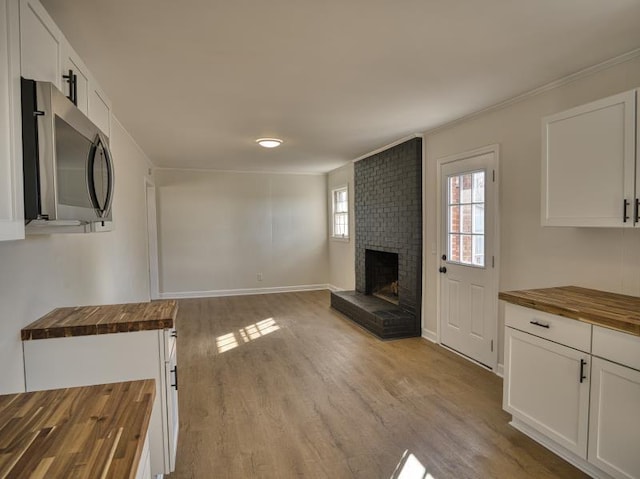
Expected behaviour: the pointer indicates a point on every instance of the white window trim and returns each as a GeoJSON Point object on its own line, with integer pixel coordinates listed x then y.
{"type": "Point", "coordinates": [333, 236]}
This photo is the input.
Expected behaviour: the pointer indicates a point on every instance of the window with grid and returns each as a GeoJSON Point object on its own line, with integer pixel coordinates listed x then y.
{"type": "Point", "coordinates": [340, 213]}
{"type": "Point", "coordinates": [466, 218]}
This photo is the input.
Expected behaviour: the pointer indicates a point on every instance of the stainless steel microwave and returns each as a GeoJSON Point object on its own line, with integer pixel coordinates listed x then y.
{"type": "Point", "coordinates": [68, 171]}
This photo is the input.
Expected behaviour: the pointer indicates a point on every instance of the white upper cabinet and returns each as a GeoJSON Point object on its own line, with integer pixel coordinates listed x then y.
{"type": "Point", "coordinates": [99, 109]}
{"type": "Point", "coordinates": [11, 201]}
{"type": "Point", "coordinates": [46, 55]}
{"type": "Point", "coordinates": [589, 164]}
{"type": "Point", "coordinates": [40, 44]}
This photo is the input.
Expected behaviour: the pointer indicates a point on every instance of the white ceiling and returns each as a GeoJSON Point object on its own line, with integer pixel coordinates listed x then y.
{"type": "Point", "coordinates": [197, 81]}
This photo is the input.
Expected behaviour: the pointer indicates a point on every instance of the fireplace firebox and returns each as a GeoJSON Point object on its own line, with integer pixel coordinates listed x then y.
{"type": "Point", "coordinates": [381, 275]}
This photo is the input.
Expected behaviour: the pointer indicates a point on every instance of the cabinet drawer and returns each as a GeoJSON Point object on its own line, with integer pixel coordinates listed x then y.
{"type": "Point", "coordinates": [616, 346]}
{"type": "Point", "coordinates": [569, 332]}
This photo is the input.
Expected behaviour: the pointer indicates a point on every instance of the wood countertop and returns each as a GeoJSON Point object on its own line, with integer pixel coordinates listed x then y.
{"type": "Point", "coordinates": [89, 432]}
{"type": "Point", "coordinates": [610, 310]}
{"type": "Point", "coordinates": [112, 318]}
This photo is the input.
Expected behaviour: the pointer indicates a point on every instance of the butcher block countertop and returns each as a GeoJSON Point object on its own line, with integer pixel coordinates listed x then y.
{"type": "Point", "coordinates": [88, 432]}
{"type": "Point", "coordinates": [112, 318]}
{"type": "Point", "coordinates": [610, 310]}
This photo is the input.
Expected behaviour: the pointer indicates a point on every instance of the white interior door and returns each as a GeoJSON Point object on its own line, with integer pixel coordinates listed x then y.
{"type": "Point", "coordinates": [468, 300]}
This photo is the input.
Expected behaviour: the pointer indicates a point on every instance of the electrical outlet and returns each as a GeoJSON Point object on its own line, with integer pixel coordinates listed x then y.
{"type": "Point", "coordinates": [259, 276]}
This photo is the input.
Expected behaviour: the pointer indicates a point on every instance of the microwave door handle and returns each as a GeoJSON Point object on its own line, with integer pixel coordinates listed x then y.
{"type": "Point", "coordinates": [91, 180]}
{"type": "Point", "coordinates": [110, 176]}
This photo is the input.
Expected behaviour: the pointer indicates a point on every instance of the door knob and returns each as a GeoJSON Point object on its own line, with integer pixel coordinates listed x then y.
{"type": "Point", "coordinates": [443, 269]}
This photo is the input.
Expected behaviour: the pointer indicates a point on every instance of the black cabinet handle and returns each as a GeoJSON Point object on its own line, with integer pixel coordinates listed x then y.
{"type": "Point", "coordinates": [537, 323]}
{"type": "Point", "coordinates": [636, 212]}
{"type": "Point", "coordinates": [174, 334]}
{"type": "Point", "coordinates": [625, 216]}
{"type": "Point", "coordinates": [175, 371]}
{"type": "Point", "coordinates": [583, 363]}
{"type": "Point", "coordinates": [72, 80]}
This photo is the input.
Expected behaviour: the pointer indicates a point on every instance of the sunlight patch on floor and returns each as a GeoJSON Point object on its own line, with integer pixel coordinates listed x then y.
{"type": "Point", "coordinates": [230, 341]}
{"type": "Point", "coordinates": [410, 467]}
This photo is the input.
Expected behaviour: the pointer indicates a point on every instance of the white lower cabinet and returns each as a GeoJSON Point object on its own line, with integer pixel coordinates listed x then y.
{"type": "Point", "coordinates": [106, 358]}
{"type": "Point", "coordinates": [582, 404]}
{"type": "Point", "coordinates": [548, 388]}
{"type": "Point", "coordinates": [144, 466]}
{"type": "Point", "coordinates": [614, 422]}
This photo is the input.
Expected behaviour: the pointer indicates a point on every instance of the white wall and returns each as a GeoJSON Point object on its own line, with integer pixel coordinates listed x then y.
{"type": "Point", "coordinates": [342, 267]}
{"type": "Point", "coordinates": [532, 256]}
{"type": "Point", "coordinates": [41, 273]}
{"type": "Point", "coordinates": [218, 230]}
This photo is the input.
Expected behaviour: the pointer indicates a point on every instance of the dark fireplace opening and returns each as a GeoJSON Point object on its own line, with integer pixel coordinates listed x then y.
{"type": "Point", "coordinates": [381, 272]}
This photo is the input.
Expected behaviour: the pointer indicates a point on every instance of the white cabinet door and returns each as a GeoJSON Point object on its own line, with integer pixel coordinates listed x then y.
{"type": "Point", "coordinates": [588, 164]}
{"type": "Point", "coordinates": [99, 108]}
{"type": "Point", "coordinates": [40, 44]}
{"type": "Point", "coordinates": [171, 371]}
{"type": "Point", "coordinates": [614, 427]}
{"type": "Point", "coordinates": [546, 387]}
{"type": "Point", "coordinates": [11, 196]}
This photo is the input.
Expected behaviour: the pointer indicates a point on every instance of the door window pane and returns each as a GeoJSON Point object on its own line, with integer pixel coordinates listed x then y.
{"type": "Point", "coordinates": [478, 219]}
{"type": "Point", "coordinates": [478, 250]}
{"type": "Point", "coordinates": [465, 194]}
{"type": "Point", "coordinates": [465, 213]}
{"type": "Point", "coordinates": [454, 219]}
{"type": "Point", "coordinates": [478, 187]}
{"type": "Point", "coordinates": [454, 190]}
{"type": "Point", "coordinates": [454, 248]}
{"type": "Point", "coordinates": [466, 222]}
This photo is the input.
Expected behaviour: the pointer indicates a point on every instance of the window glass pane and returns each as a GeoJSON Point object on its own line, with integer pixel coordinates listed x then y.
{"type": "Point", "coordinates": [465, 214]}
{"type": "Point", "coordinates": [478, 187]}
{"type": "Point", "coordinates": [341, 212]}
{"type": "Point", "coordinates": [465, 192]}
{"type": "Point", "coordinates": [454, 190]}
{"type": "Point", "coordinates": [341, 227]}
{"type": "Point", "coordinates": [478, 219]}
{"type": "Point", "coordinates": [454, 248]}
{"type": "Point", "coordinates": [454, 219]}
{"type": "Point", "coordinates": [478, 250]}
{"type": "Point", "coordinates": [466, 252]}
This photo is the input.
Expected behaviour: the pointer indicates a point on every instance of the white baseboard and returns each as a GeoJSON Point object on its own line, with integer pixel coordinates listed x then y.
{"type": "Point", "coordinates": [500, 370]}
{"type": "Point", "coordinates": [242, 292]}
{"type": "Point", "coordinates": [331, 287]}
{"type": "Point", "coordinates": [430, 335]}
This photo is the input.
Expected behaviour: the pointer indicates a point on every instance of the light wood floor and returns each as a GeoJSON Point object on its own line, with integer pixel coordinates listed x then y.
{"type": "Point", "coordinates": [280, 386]}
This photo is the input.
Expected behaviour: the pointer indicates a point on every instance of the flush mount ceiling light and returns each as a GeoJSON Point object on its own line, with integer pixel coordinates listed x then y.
{"type": "Point", "coordinates": [269, 142]}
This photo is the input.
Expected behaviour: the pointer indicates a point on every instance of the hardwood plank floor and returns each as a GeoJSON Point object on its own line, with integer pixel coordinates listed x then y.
{"type": "Point", "coordinates": [280, 386]}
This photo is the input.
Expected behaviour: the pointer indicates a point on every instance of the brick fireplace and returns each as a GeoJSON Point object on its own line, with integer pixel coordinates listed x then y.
{"type": "Point", "coordinates": [388, 236]}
